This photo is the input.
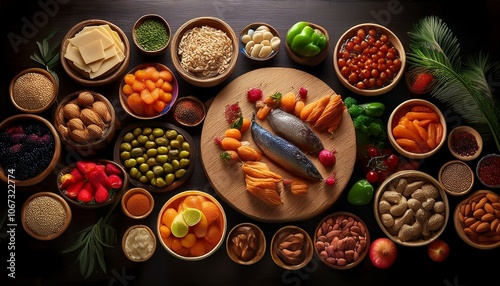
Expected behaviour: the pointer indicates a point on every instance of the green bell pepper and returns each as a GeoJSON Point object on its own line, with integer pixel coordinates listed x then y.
{"type": "Point", "coordinates": [373, 109]}
{"type": "Point", "coordinates": [305, 41]}
{"type": "Point", "coordinates": [361, 193]}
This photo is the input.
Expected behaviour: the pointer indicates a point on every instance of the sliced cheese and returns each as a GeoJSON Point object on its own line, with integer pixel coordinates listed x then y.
{"type": "Point", "coordinates": [105, 66]}
{"type": "Point", "coordinates": [84, 37]}
{"type": "Point", "coordinates": [92, 52]}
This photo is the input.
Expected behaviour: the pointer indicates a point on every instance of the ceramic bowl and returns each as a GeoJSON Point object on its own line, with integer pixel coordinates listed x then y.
{"type": "Point", "coordinates": [356, 239]}
{"type": "Point", "coordinates": [425, 149]}
{"type": "Point", "coordinates": [488, 171]}
{"type": "Point", "coordinates": [144, 195]}
{"type": "Point", "coordinates": [203, 238]}
{"type": "Point", "coordinates": [9, 175]}
{"type": "Point", "coordinates": [456, 177]}
{"type": "Point", "coordinates": [167, 92]}
{"type": "Point", "coordinates": [123, 153]}
{"type": "Point", "coordinates": [405, 196]}
{"type": "Point", "coordinates": [369, 88]}
{"type": "Point", "coordinates": [219, 75]}
{"type": "Point", "coordinates": [452, 146]}
{"type": "Point", "coordinates": [257, 33]}
{"type": "Point", "coordinates": [189, 111]}
{"type": "Point", "coordinates": [89, 144]}
{"type": "Point", "coordinates": [473, 227]}
{"type": "Point", "coordinates": [71, 195]}
{"type": "Point", "coordinates": [284, 234]}
{"type": "Point", "coordinates": [108, 72]}
{"type": "Point", "coordinates": [26, 93]}
{"type": "Point", "coordinates": [160, 24]}
{"type": "Point", "coordinates": [139, 252]}
{"type": "Point", "coordinates": [246, 243]}
{"type": "Point", "coordinates": [315, 60]}
{"type": "Point", "coordinates": [45, 215]}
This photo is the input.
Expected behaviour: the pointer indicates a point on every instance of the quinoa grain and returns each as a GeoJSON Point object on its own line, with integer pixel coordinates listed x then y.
{"type": "Point", "coordinates": [33, 91]}
{"type": "Point", "coordinates": [44, 215]}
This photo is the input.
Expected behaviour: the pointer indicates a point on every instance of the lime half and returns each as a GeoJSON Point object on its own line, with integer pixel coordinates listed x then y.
{"type": "Point", "coordinates": [179, 227]}
{"type": "Point", "coordinates": [191, 216]}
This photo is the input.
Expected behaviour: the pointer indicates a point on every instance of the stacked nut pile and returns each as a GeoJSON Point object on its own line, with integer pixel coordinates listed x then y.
{"type": "Point", "coordinates": [84, 119]}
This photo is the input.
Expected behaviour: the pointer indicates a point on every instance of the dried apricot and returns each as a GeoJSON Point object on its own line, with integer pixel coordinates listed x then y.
{"type": "Point", "coordinates": [233, 133]}
{"type": "Point", "coordinates": [210, 210]}
{"type": "Point", "coordinates": [213, 234]}
{"type": "Point", "coordinates": [168, 216]}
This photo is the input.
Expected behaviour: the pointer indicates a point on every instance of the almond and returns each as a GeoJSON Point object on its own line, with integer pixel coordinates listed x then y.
{"type": "Point", "coordinates": [95, 132]}
{"type": "Point", "coordinates": [75, 124]}
{"type": "Point", "coordinates": [85, 98]}
{"type": "Point", "coordinates": [80, 136]}
{"type": "Point", "coordinates": [102, 110]}
{"type": "Point", "coordinates": [88, 117]}
{"type": "Point", "coordinates": [63, 130]}
{"type": "Point", "coordinates": [71, 110]}
{"type": "Point", "coordinates": [483, 227]}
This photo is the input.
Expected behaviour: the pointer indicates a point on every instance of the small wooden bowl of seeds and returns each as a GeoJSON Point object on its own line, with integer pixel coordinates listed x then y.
{"type": "Point", "coordinates": [456, 177]}
{"type": "Point", "coordinates": [151, 34]}
{"type": "Point", "coordinates": [33, 90]}
{"type": "Point", "coordinates": [45, 215]}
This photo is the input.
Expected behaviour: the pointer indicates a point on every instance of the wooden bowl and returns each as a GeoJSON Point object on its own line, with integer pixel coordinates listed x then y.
{"type": "Point", "coordinates": [134, 230]}
{"type": "Point", "coordinates": [352, 255]}
{"type": "Point", "coordinates": [392, 38]}
{"type": "Point", "coordinates": [33, 104]}
{"type": "Point", "coordinates": [456, 177]}
{"type": "Point", "coordinates": [477, 136]}
{"type": "Point", "coordinates": [9, 176]}
{"type": "Point", "coordinates": [486, 160]}
{"type": "Point", "coordinates": [115, 193]}
{"type": "Point", "coordinates": [136, 181]}
{"type": "Point", "coordinates": [465, 221]}
{"type": "Point", "coordinates": [265, 28]}
{"type": "Point", "coordinates": [233, 241]}
{"type": "Point", "coordinates": [382, 209]}
{"type": "Point", "coordinates": [134, 191]}
{"type": "Point", "coordinates": [211, 244]}
{"type": "Point", "coordinates": [195, 78]}
{"type": "Point", "coordinates": [174, 93]}
{"type": "Point", "coordinates": [39, 209]}
{"type": "Point", "coordinates": [111, 75]}
{"type": "Point", "coordinates": [137, 41]}
{"type": "Point", "coordinates": [90, 146]}
{"type": "Point", "coordinates": [189, 111]}
{"type": "Point", "coordinates": [399, 112]}
{"type": "Point", "coordinates": [315, 60]}
{"type": "Point", "coordinates": [307, 249]}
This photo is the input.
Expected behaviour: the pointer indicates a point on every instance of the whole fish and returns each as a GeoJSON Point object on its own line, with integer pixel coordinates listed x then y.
{"type": "Point", "coordinates": [295, 131]}
{"type": "Point", "coordinates": [283, 152]}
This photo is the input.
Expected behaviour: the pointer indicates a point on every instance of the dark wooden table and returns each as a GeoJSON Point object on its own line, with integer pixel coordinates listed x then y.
{"type": "Point", "coordinates": [42, 263]}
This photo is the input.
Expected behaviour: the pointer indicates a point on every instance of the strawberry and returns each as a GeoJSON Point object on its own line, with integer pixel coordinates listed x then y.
{"type": "Point", "coordinates": [99, 177]}
{"type": "Point", "coordinates": [73, 189]}
{"type": "Point", "coordinates": [71, 178]}
{"type": "Point", "coordinates": [116, 181]}
{"type": "Point", "coordinates": [422, 81]}
{"type": "Point", "coordinates": [101, 194]}
{"type": "Point", "coordinates": [112, 169]}
{"type": "Point", "coordinates": [85, 195]}
{"type": "Point", "coordinates": [254, 94]}
{"type": "Point", "coordinates": [86, 167]}
{"type": "Point", "coordinates": [77, 176]}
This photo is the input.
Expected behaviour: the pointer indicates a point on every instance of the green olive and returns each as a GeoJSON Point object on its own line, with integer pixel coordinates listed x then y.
{"type": "Point", "coordinates": [151, 162]}
{"type": "Point", "coordinates": [147, 130]}
{"type": "Point", "coordinates": [184, 154]}
{"type": "Point", "coordinates": [125, 146]}
{"type": "Point", "coordinates": [129, 163]}
{"type": "Point", "coordinates": [143, 167]}
{"type": "Point", "coordinates": [180, 138]}
{"type": "Point", "coordinates": [158, 171]}
{"type": "Point", "coordinates": [135, 143]}
{"type": "Point", "coordinates": [169, 178]}
{"type": "Point", "coordinates": [161, 159]}
{"type": "Point", "coordinates": [158, 132]}
{"type": "Point", "coordinates": [161, 141]}
{"type": "Point", "coordinates": [151, 137]}
{"type": "Point", "coordinates": [125, 155]}
{"type": "Point", "coordinates": [143, 179]}
{"type": "Point", "coordinates": [137, 131]}
{"type": "Point", "coordinates": [160, 182]}
{"type": "Point", "coordinates": [168, 168]}
{"type": "Point", "coordinates": [136, 152]}
{"type": "Point", "coordinates": [128, 137]}
{"type": "Point", "coordinates": [162, 150]}
{"type": "Point", "coordinates": [150, 175]}
{"type": "Point", "coordinates": [179, 173]}
{"type": "Point", "coordinates": [174, 153]}
{"type": "Point", "coordinates": [142, 139]}
{"type": "Point", "coordinates": [171, 134]}
{"type": "Point", "coordinates": [150, 144]}
{"type": "Point", "coordinates": [133, 172]}
{"type": "Point", "coordinates": [186, 146]}
{"type": "Point", "coordinates": [138, 175]}
{"type": "Point", "coordinates": [183, 163]}
{"type": "Point", "coordinates": [153, 182]}
{"type": "Point", "coordinates": [175, 164]}
{"type": "Point", "coordinates": [140, 160]}
{"type": "Point", "coordinates": [175, 144]}
{"type": "Point", "coordinates": [151, 152]}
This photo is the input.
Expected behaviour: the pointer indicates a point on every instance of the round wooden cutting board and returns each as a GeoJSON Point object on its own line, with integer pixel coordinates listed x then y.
{"type": "Point", "coordinates": [228, 180]}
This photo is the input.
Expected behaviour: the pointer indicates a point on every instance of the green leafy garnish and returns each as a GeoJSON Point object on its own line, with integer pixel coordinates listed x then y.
{"type": "Point", "coordinates": [463, 86]}
{"type": "Point", "coordinates": [47, 56]}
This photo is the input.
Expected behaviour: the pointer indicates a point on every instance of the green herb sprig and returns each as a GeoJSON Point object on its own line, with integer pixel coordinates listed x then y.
{"type": "Point", "coordinates": [463, 86]}
{"type": "Point", "coordinates": [47, 56]}
{"type": "Point", "coordinates": [91, 242]}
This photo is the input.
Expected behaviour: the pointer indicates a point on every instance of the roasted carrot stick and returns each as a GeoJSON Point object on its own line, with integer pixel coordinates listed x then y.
{"type": "Point", "coordinates": [401, 131]}
{"type": "Point", "coordinates": [423, 123]}
{"type": "Point", "coordinates": [421, 108]}
{"type": "Point", "coordinates": [412, 115]}
{"type": "Point", "coordinates": [421, 130]}
{"type": "Point", "coordinates": [318, 109]}
{"type": "Point", "coordinates": [431, 139]}
{"type": "Point", "coordinates": [409, 145]}
{"type": "Point", "coordinates": [307, 109]}
{"type": "Point", "coordinates": [439, 132]}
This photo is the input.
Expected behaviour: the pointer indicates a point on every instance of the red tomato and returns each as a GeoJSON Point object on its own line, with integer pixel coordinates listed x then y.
{"type": "Point", "coordinates": [372, 177]}
{"type": "Point", "coordinates": [392, 162]}
{"type": "Point", "coordinates": [372, 152]}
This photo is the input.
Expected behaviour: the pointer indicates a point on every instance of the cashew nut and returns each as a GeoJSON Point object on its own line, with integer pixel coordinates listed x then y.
{"type": "Point", "coordinates": [411, 187]}
{"type": "Point", "coordinates": [399, 208]}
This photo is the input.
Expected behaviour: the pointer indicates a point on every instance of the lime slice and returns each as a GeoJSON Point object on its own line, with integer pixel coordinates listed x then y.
{"type": "Point", "coordinates": [191, 216]}
{"type": "Point", "coordinates": [179, 227]}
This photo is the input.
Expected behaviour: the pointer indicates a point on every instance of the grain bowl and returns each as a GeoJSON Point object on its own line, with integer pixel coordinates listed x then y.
{"type": "Point", "coordinates": [291, 247]}
{"type": "Point", "coordinates": [137, 203]}
{"type": "Point", "coordinates": [191, 225]}
{"type": "Point", "coordinates": [307, 58]}
{"type": "Point", "coordinates": [260, 41]}
{"type": "Point", "coordinates": [456, 177]}
{"type": "Point", "coordinates": [148, 91]}
{"type": "Point", "coordinates": [341, 240]}
{"type": "Point", "coordinates": [83, 64]}
{"type": "Point", "coordinates": [85, 121]}
{"type": "Point", "coordinates": [246, 243]}
{"type": "Point", "coordinates": [477, 218]}
{"type": "Point", "coordinates": [411, 208]}
{"type": "Point", "coordinates": [24, 139]}
{"type": "Point", "coordinates": [212, 59]}
{"type": "Point", "coordinates": [151, 34]}
{"type": "Point", "coordinates": [382, 76]}
{"type": "Point", "coordinates": [33, 90]}
{"type": "Point", "coordinates": [416, 129]}
{"type": "Point", "coordinates": [139, 243]}
{"type": "Point", "coordinates": [465, 143]}
{"type": "Point", "coordinates": [45, 215]}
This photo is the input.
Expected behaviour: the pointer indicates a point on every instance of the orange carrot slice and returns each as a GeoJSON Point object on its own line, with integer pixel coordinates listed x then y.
{"type": "Point", "coordinates": [421, 130]}
{"type": "Point", "coordinates": [439, 133]}
{"type": "Point", "coordinates": [421, 108]}
{"type": "Point", "coordinates": [401, 131]}
{"type": "Point", "coordinates": [409, 145]}
{"type": "Point", "coordinates": [412, 115]}
{"type": "Point", "coordinates": [431, 139]}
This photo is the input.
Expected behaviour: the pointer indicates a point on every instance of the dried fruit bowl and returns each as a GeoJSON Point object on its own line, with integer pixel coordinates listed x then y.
{"type": "Point", "coordinates": [287, 235]}
{"type": "Point", "coordinates": [246, 243]}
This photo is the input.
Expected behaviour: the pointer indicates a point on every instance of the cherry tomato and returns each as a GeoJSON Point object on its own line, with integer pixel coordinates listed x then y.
{"type": "Point", "coordinates": [392, 162]}
{"type": "Point", "coordinates": [372, 152]}
{"type": "Point", "coordinates": [382, 175]}
{"type": "Point", "coordinates": [372, 177]}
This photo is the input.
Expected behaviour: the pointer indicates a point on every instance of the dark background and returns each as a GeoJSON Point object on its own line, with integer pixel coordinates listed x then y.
{"type": "Point", "coordinates": [476, 26]}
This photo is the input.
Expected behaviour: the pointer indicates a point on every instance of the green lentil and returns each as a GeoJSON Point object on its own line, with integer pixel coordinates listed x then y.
{"type": "Point", "coordinates": [151, 35]}
{"type": "Point", "coordinates": [44, 215]}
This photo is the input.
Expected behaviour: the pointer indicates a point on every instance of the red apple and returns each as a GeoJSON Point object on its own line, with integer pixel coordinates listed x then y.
{"type": "Point", "coordinates": [438, 250]}
{"type": "Point", "coordinates": [383, 252]}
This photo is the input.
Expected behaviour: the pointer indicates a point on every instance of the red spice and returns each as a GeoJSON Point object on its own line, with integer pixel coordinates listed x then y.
{"type": "Point", "coordinates": [464, 143]}
{"type": "Point", "coordinates": [489, 171]}
{"type": "Point", "coordinates": [189, 112]}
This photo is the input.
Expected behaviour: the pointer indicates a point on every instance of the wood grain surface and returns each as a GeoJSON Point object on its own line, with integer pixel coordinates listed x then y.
{"type": "Point", "coordinates": [228, 180]}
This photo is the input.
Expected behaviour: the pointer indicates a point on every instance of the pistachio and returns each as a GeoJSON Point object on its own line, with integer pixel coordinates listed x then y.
{"type": "Point", "coordinates": [101, 109]}
{"type": "Point", "coordinates": [88, 117]}
{"type": "Point", "coordinates": [85, 98]}
{"type": "Point", "coordinates": [95, 132]}
{"type": "Point", "coordinates": [75, 124]}
{"type": "Point", "coordinates": [71, 110]}
{"type": "Point", "coordinates": [80, 136]}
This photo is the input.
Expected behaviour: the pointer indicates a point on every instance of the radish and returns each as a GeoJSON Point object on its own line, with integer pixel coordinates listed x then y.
{"type": "Point", "coordinates": [327, 157]}
{"type": "Point", "coordinates": [254, 94]}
